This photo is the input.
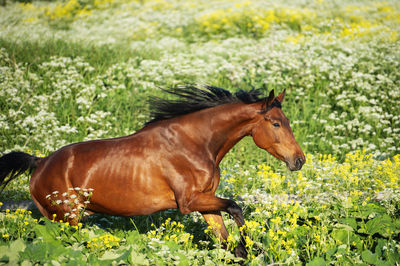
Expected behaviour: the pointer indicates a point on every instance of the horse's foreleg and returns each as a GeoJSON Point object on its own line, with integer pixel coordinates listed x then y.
{"type": "Point", "coordinates": [210, 204]}
{"type": "Point", "coordinates": [214, 219]}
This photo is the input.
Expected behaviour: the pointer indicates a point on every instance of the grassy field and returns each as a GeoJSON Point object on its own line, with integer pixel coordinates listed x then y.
{"type": "Point", "coordinates": [79, 70]}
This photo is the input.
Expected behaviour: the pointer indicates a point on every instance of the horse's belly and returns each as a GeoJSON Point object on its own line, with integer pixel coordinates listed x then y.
{"type": "Point", "coordinates": [132, 202]}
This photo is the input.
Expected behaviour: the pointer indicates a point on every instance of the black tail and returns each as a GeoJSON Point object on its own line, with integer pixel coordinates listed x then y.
{"type": "Point", "coordinates": [13, 164]}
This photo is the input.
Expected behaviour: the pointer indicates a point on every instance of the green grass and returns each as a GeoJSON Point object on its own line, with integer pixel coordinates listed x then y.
{"type": "Point", "coordinates": [101, 57]}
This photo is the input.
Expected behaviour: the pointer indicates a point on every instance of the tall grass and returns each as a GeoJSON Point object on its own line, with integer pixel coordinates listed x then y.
{"type": "Point", "coordinates": [101, 57]}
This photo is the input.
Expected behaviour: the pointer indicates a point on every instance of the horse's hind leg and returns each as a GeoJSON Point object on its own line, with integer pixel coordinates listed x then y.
{"type": "Point", "coordinates": [49, 210]}
{"type": "Point", "coordinates": [42, 209]}
{"type": "Point", "coordinates": [61, 211]}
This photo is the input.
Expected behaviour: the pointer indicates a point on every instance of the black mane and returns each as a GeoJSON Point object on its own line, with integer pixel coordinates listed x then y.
{"type": "Point", "coordinates": [192, 99]}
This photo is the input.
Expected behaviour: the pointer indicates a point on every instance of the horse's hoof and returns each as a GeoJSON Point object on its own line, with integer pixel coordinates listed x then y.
{"type": "Point", "coordinates": [240, 251]}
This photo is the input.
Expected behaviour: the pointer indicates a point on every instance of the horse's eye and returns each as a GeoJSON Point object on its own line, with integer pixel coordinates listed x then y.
{"type": "Point", "coordinates": [277, 125]}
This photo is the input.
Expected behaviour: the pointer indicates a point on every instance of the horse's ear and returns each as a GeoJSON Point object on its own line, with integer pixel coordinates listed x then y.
{"type": "Point", "coordinates": [270, 98]}
{"type": "Point", "coordinates": [280, 97]}
{"type": "Point", "coordinates": [268, 101]}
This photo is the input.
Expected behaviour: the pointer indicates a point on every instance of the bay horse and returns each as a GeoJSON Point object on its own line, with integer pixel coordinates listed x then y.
{"type": "Point", "coordinates": [171, 163]}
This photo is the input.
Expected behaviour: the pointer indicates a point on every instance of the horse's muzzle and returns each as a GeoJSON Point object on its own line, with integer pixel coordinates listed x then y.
{"type": "Point", "coordinates": [296, 164]}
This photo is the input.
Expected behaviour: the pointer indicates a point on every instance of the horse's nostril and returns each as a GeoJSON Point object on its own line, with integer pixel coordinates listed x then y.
{"type": "Point", "coordinates": [299, 163]}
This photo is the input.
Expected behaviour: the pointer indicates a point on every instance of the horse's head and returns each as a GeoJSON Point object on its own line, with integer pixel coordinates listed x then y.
{"type": "Point", "coordinates": [272, 132]}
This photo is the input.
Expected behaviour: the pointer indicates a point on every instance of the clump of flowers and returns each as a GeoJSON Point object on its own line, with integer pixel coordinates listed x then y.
{"type": "Point", "coordinates": [171, 231]}
{"type": "Point", "coordinates": [16, 224]}
{"type": "Point", "coordinates": [249, 19]}
{"type": "Point", "coordinates": [274, 181]}
{"type": "Point", "coordinates": [73, 9]}
{"type": "Point", "coordinates": [103, 243]}
{"type": "Point", "coordinates": [75, 200]}
{"type": "Point", "coordinates": [253, 232]}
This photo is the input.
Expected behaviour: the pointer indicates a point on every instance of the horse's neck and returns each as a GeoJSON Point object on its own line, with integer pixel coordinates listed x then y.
{"type": "Point", "coordinates": [228, 125]}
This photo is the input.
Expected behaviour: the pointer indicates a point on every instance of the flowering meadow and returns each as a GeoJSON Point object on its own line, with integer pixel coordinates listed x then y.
{"type": "Point", "coordinates": [77, 70]}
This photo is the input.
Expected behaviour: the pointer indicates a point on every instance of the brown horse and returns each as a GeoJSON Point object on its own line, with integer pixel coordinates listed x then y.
{"type": "Point", "coordinates": [173, 162]}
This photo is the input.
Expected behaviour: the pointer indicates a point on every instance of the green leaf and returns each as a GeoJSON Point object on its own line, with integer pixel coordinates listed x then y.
{"type": "Point", "coordinates": [341, 249]}
{"type": "Point", "coordinates": [330, 253]}
{"type": "Point", "coordinates": [45, 251]}
{"type": "Point", "coordinates": [17, 245]}
{"type": "Point", "coordinates": [343, 236]}
{"type": "Point", "coordinates": [393, 257]}
{"type": "Point", "coordinates": [15, 248]}
{"type": "Point", "coordinates": [383, 263]}
{"type": "Point", "coordinates": [138, 258]}
{"type": "Point", "coordinates": [379, 246]}
{"type": "Point", "coordinates": [381, 224]}
{"type": "Point", "coordinates": [318, 261]}
{"type": "Point", "coordinates": [133, 237]}
{"type": "Point", "coordinates": [11, 253]}
{"type": "Point", "coordinates": [369, 257]}
{"type": "Point", "coordinates": [344, 227]}
{"type": "Point", "coordinates": [5, 258]}
{"type": "Point", "coordinates": [48, 232]}
{"type": "Point", "coordinates": [28, 263]}
{"type": "Point", "coordinates": [110, 255]}
{"type": "Point", "coordinates": [349, 238]}
{"type": "Point", "coordinates": [128, 256]}
{"type": "Point", "coordinates": [371, 209]}
{"type": "Point", "coordinates": [93, 259]}
{"type": "Point", "coordinates": [350, 221]}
